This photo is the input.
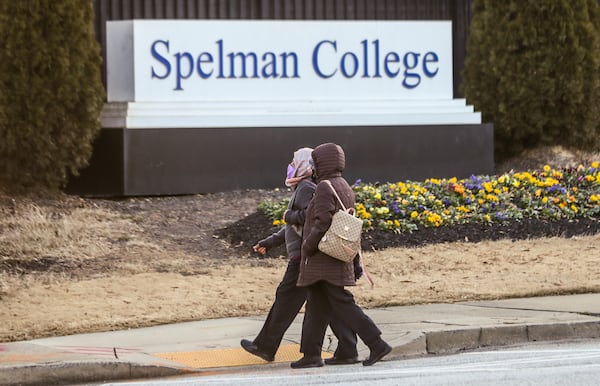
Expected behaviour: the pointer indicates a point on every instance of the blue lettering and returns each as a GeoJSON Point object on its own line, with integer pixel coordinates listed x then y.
{"type": "Point", "coordinates": [376, 46]}
{"type": "Point", "coordinates": [161, 59]}
{"type": "Point", "coordinates": [220, 56]}
{"type": "Point", "coordinates": [366, 60]}
{"type": "Point", "coordinates": [389, 64]}
{"type": "Point", "coordinates": [391, 57]}
{"type": "Point", "coordinates": [180, 76]}
{"type": "Point", "coordinates": [315, 58]}
{"type": "Point", "coordinates": [242, 57]}
{"type": "Point", "coordinates": [354, 61]}
{"type": "Point", "coordinates": [284, 58]}
{"type": "Point", "coordinates": [209, 59]}
{"type": "Point", "coordinates": [430, 57]}
{"type": "Point", "coordinates": [365, 49]}
{"type": "Point", "coordinates": [270, 61]}
{"type": "Point", "coordinates": [411, 66]}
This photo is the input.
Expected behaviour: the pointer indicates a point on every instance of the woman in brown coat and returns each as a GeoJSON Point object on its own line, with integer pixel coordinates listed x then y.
{"type": "Point", "coordinates": [325, 276]}
{"type": "Point", "coordinates": [289, 298]}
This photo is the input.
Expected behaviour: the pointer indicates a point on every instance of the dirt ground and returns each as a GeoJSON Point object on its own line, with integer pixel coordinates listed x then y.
{"type": "Point", "coordinates": [72, 265]}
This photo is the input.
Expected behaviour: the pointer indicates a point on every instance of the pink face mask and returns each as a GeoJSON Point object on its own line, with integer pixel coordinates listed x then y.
{"type": "Point", "coordinates": [291, 171]}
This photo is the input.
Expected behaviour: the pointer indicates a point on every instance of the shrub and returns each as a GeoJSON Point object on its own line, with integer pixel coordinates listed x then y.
{"type": "Point", "coordinates": [52, 93]}
{"type": "Point", "coordinates": [533, 69]}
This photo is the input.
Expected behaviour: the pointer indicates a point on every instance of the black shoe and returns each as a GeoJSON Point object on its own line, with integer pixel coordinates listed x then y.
{"type": "Point", "coordinates": [254, 350]}
{"type": "Point", "coordinates": [377, 354]}
{"type": "Point", "coordinates": [308, 361]}
{"type": "Point", "coordinates": [341, 361]}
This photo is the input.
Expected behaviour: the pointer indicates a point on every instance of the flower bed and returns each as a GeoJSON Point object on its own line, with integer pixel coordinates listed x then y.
{"type": "Point", "coordinates": [548, 194]}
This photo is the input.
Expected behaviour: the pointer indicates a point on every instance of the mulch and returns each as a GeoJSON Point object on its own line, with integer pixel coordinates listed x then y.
{"type": "Point", "coordinates": [246, 231]}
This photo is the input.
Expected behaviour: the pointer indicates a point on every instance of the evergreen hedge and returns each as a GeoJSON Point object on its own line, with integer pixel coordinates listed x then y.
{"type": "Point", "coordinates": [51, 93]}
{"type": "Point", "coordinates": [533, 69]}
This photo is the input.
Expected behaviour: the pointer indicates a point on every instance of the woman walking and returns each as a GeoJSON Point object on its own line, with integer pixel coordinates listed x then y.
{"type": "Point", "coordinates": [325, 276]}
{"type": "Point", "coordinates": [288, 297]}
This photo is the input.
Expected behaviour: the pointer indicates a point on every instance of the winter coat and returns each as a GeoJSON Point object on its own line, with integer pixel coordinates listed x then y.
{"type": "Point", "coordinates": [329, 161]}
{"type": "Point", "coordinates": [294, 218]}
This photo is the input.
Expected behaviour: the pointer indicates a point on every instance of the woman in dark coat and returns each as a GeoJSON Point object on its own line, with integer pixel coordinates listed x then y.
{"type": "Point", "coordinates": [325, 276]}
{"type": "Point", "coordinates": [289, 298]}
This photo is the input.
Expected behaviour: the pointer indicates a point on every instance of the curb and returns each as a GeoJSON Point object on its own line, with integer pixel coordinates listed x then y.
{"type": "Point", "coordinates": [78, 372]}
{"type": "Point", "coordinates": [413, 345]}
{"type": "Point", "coordinates": [459, 340]}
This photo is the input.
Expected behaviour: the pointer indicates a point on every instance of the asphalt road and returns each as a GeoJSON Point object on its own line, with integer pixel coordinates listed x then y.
{"type": "Point", "coordinates": [565, 363]}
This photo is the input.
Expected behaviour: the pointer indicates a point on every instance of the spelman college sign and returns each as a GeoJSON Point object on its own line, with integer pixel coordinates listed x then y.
{"type": "Point", "coordinates": [254, 72]}
{"type": "Point", "coordinates": [199, 106]}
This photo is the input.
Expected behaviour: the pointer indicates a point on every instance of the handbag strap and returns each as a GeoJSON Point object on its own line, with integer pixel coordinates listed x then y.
{"type": "Point", "coordinates": [364, 268]}
{"type": "Point", "coordinates": [336, 195]}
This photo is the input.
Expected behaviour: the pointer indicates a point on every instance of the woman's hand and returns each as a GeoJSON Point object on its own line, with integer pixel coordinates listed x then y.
{"type": "Point", "coordinates": [259, 249]}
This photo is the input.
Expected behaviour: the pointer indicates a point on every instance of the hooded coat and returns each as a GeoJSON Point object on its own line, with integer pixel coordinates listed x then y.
{"type": "Point", "coordinates": [329, 161]}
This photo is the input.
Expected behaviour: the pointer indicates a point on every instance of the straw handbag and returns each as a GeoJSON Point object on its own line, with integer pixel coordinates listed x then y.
{"type": "Point", "coordinates": [342, 239]}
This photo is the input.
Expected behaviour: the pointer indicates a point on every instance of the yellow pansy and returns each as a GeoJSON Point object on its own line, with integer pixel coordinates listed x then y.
{"type": "Point", "coordinates": [463, 208]}
{"type": "Point", "coordinates": [491, 197]}
{"type": "Point", "coordinates": [382, 210]}
{"type": "Point", "coordinates": [435, 219]}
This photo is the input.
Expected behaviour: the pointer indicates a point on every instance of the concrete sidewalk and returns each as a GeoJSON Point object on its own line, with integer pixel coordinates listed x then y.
{"type": "Point", "coordinates": [214, 344]}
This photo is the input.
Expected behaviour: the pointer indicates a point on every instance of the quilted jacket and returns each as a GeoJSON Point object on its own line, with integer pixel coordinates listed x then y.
{"type": "Point", "coordinates": [294, 216]}
{"type": "Point", "coordinates": [330, 161]}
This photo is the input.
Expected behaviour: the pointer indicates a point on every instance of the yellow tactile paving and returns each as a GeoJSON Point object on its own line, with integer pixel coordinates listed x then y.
{"type": "Point", "coordinates": [231, 357]}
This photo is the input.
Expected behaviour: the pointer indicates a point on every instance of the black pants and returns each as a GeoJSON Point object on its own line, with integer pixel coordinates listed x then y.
{"type": "Point", "coordinates": [288, 300]}
{"type": "Point", "coordinates": [326, 302]}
